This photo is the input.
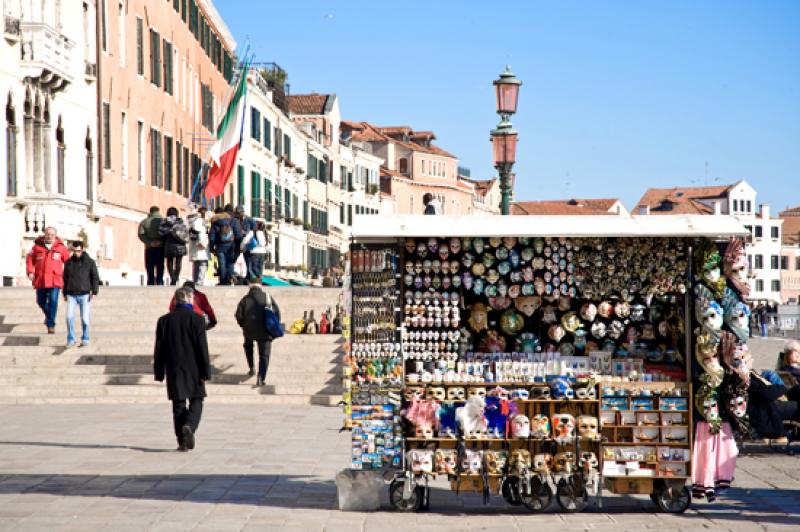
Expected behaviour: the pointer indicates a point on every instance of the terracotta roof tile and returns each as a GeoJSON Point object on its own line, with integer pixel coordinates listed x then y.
{"type": "Point", "coordinates": [790, 231]}
{"type": "Point", "coordinates": [556, 207]}
{"type": "Point", "coordinates": [307, 104]}
{"type": "Point", "coordinates": [794, 211]}
{"type": "Point", "coordinates": [682, 200]}
{"type": "Point", "coordinates": [366, 132]}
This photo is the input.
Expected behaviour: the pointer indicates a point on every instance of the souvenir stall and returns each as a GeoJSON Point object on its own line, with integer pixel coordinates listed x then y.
{"type": "Point", "coordinates": [542, 358]}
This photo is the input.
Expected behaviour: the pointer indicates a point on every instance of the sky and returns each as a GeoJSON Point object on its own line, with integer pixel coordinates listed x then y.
{"type": "Point", "coordinates": [616, 97]}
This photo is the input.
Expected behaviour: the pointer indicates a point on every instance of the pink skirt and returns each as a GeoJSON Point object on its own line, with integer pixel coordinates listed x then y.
{"type": "Point", "coordinates": [713, 459]}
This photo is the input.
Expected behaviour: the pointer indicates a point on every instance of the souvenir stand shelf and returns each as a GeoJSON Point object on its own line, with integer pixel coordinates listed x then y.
{"type": "Point", "coordinates": [536, 357]}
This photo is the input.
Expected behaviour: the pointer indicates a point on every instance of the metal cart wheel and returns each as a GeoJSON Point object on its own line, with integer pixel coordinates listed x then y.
{"type": "Point", "coordinates": [412, 504]}
{"type": "Point", "coordinates": [540, 497]}
{"type": "Point", "coordinates": [509, 489]}
{"type": "Point", "coordinates": [570, 497]}
{"type": "Point", "coordinates": [674, 500]}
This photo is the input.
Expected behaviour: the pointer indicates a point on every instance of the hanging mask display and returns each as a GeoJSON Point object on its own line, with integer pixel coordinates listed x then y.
{"type": "Point", "coordinates": [528, 305]}
{"type": "Point", "coordinates": [735, 266]}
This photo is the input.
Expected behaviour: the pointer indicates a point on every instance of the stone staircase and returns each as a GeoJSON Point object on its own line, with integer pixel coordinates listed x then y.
{"type": "Point", "coordinates": [36, 368]}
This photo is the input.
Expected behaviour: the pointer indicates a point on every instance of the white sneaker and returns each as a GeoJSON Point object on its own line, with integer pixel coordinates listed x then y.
{"type": "Point", "coordinates": [84, 343]}
{"type": "Point", "coordinates": [71, 345]}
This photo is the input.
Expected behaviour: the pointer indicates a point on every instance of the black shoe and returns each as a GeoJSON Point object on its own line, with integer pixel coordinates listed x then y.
{"type": "Point", "coordinates": [250, 372]}
{"type": "Point", "coordinates": [259, 382]}
{"type": "Point", "coordinates": [188, 437]}
{"type": "Point", "coordinates": [182, 448]}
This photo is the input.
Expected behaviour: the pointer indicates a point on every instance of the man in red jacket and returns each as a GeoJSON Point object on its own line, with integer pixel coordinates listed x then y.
{"type": "Point", "coordinates": [45, 267]}
{"type": "Point", "coordinates": [200, 305]}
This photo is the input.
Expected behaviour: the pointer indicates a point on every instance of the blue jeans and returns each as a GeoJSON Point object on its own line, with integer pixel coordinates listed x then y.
{"type": "Point", "coordinates": [255, 265]}
{"type": "Point", "coordinates": [225, 261]}
{"type": "Point", "coordinates": [47, 299]}
{"type": "Point", "coordinates": [85, 305]}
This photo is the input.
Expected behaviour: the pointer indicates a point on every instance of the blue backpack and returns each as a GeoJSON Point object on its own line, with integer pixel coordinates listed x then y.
{"type": "Point", "coordinates": [271, 321]}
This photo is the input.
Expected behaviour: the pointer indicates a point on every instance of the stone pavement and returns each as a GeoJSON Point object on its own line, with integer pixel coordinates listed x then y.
{"type": "Point", "coordinates": [107, 467]}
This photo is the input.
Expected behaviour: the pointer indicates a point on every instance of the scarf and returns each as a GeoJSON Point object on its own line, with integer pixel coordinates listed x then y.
{"type": "Point", "coordinates": [185, 305]}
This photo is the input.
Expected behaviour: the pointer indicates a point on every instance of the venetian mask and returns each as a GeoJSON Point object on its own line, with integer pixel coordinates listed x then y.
{"type": "Point", "coordinates": [444, 252]}
{"type": "Point", "coordinates": [738, 406]}
{"type": "Point", "coordinates": [548, 314]}
{"type": "Point", "coordinates": [455, 393]}
{"type": "Point", "coordinates": [538, 245]}
{"type": "Point", "coordinates": [587, 427]}
{"type": "Point", "coordinates": [563, 428]}
{"type": "Point", "coordinates": [555, 332]}
{"type": "Point", "coordinates": [599, 329]}
{"type": "Point", "coordinates": [495, 241]}
{"type": "Point", "coordinates": [605, 309]}
{"type": "Point", "coordinates": [495, 461]}
{"type": "Point", "coordinates": [528, 304]}
{"type": "Point", "coordinates": [413, 393]}
{"type": "Point", "coordinates": [711, 316]}
{"type": "Point", "coordinates": [445, 460]}
{"type": "Point", "coordinates": [455, 245]}
{"type": "Point", "coordinates": [435, 393]}
{"type": "Point", "coordinates": [472, 462]}
{"type": "Point", "coordinates": [540, 427]}
{"type": "Point", "coordinates": [511, 322]}
{"type": "Point", "coordinates": [542, 463]}
{"type": "Point", "coordinates": [513, 258]}
{"type": "Point", "coordinates": [637, 312]}
{"type": "Point", "coordinates": [622, 309]}
{"type": "Point", "coordinates": [588, 462]}
{"type": "Point", "coordinates": [570, 322]}
{"type": "Point", "coordinates": [520, 426]}
{"type": "Point", "coordinates": [520, 460]}
{"type": "Point", "coordinates": [588, 312]}
{"type": "Point", "coordinates": [420, 461]}
{"type": "Point", "coordinates": [539, 286]}
{"type": "Point", "coordinates": [479, 317]}
{"type": "Point", "coordinates": [476, 391]}
{"type": "Point", "coordinates": [433, 246]}
{"type": "Point", "coordinates": [411, 245]}
{"type": "Point", "coordinates": [478, 245]}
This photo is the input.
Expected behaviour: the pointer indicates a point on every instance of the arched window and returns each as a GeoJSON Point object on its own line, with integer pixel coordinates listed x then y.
{"type": "Point", "coordinates": [60, 150]}
{"type": "Point", "coordinates": [11, 148]}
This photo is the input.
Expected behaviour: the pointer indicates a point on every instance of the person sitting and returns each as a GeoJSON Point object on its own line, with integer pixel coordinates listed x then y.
{"type": "Point", "coordinates": [769, 405]}
{"type": "Point", "coordinates": [789, 363]}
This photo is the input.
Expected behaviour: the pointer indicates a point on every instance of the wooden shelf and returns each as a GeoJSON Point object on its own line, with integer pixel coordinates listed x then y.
{"type": "Point", "coordinates": [646, 444]}
{"type": "Point", "coordinates": [644, 426]}
{"type": "Point", "coordinates": [495, 440]}
{"type": "Point", "coordinates": [648, 477]}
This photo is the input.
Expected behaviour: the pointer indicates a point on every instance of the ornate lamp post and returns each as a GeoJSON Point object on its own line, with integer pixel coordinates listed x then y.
{"type": "Point", "coordinates": [504, 136]}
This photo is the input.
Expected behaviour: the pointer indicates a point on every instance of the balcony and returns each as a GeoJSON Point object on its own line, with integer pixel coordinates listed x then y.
{"type": "Point", "coordinates": [47, 55]}
{"type": "Point", "coordinates": [12, 32]}
{"type": "Point", "coordinates": [90, 71]}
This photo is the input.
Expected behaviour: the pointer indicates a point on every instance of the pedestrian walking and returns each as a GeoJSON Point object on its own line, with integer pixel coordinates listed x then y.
{"type": "Point", "coordinates": [762, 319]}
{"type": "Point", "coordinates": [81, 284]}
{"type": "Point", "coordinates": [198, 246]}
{"type": "Point", "coordinates": [255, 243]}
{"type": "Point", "coordinates": [223, 237]}
{"type": "Point", "coordinates": [250, 315]}
{"type": "Point", "coordinates": [432, 205]}
{"type": "Point", "coordinates": [246, 225]}
{"type": "Point", "coordinates": [153, 248]}
{"type": "Point", "coordinates": [181, 356]}
{"type": "Point", "coordinates": [45, 267]}
{"type": "Point", "coordinates": [175, 235]}
{"type": "Point", "coordinates": [200, 305]}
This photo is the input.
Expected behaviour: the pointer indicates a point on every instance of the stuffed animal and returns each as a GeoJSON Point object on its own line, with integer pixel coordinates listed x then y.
{"type": "Point", "coordinates": [471, 418]}
{"type": "Point", "coordinates": [422, 414]}
{"type": "Point", "coordinates": [420, 461]}
{"type": "Point", "coordinates": [496, 413]}
{"type": "Point", "coordinates": [448, 428]}
{"type": "Point", "coordinates": [445, 461]}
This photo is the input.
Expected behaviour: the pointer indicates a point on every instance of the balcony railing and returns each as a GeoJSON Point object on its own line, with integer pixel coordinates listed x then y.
{"type": "Point", "coordinates": [12, 30]}
{"type": "Point", "coordinates": [46, 49]}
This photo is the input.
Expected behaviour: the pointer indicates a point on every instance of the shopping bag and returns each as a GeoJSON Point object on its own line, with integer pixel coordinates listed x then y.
{"type": "Point", "coordinates": [240, 267]}
{"type": "Point", "coordinates": [271, 321]}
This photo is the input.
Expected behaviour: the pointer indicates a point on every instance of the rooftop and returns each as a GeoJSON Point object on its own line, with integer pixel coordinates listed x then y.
{"type": "Point", "coordinates": [309, 104]}
{"type": "Point", "coordinates": [564, 207]}
{"type": "Point", "coordinates": [682, 200]}
{"type": "Point", "coordinates": [366, 132]}
{"type": "Point", "coordinates": [790, 232]}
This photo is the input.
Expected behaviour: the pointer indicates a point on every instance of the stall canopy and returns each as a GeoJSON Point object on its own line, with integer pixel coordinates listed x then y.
{"type": "Point", "coordinates": [393, 226]}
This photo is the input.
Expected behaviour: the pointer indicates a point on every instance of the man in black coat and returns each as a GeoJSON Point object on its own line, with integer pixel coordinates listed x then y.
{"type": "Point", "coordinates": [181, 355]}
{"type": "Point", "coordinates": [250, 317]}
{"type": "Point", "coordinates": [81, 284]}
{"type": "Point", "coordinates": [769, 405]}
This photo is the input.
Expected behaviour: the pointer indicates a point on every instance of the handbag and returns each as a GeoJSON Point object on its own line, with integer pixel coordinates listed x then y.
{"type": "Point", "coordinates": [271, 321]}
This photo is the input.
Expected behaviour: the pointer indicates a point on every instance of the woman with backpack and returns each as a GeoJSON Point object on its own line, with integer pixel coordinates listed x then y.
{"type": "Point", "coordinates": [255, 243]}
{"type": "Point", "coordinates": [175, 235]}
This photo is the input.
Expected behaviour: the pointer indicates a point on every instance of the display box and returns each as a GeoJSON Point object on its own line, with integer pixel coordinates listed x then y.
{"type": "Point", "coordinates": [675, 435]}
{"type": "Point", "coordinates": [647, 419]}
{"type": "Point", "coordinates": [670, 418]}
{"type": "Point", "coordinates": [643, 403]}
{"type": "Point", "coordinates": [627, 417]}
{"type": "Point", "coordinates": [672, 470]}
{"type": "Point", "coordinates": [608, 418]}
{"type": "Point", "coordinates": [645, 434]}
{"type": "Point", "coordinates": [674, 404]}
{"type": "Point", "coordinates": [615, 403]}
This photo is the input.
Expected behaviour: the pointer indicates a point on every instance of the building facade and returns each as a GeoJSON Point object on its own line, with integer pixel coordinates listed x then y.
{"type": "Point", "coordinates": [790, 256]}
{"type": "Point", "coordinates": [48, 84]}
{"type": "Point", "coordinates": [164, 73]}
{"type": "Point", "coordinates": [739, 200]}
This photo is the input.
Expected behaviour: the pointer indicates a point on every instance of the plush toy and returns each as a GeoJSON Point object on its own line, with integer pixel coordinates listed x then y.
{"type": "Point", "coordinates": [445, 461]}
{"type": "Point", "coordinates": [563, 428]}
{"type": "Point", "coordinates": [540, 427]}
{"type": "Point", "coordinates": [472, 462]}
{"type": "Point", "coordinates": [448, 427]}
{"type": "Point", "coordinates": [422, 414]}
{"type": "Point", "coordinates": [471, 418]}
{"type": "Point", "coordinates": [420, 461]}
{"type": "Point", "coordinates": [496, 412]}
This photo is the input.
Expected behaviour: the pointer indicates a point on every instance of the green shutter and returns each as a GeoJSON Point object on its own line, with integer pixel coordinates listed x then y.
{"type": "Point", "coordinates": [268, 199]}
{"type": "Point", "coordinates": [240, 183]}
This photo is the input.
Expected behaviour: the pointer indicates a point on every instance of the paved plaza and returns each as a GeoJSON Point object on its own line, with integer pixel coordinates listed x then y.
{"type": "Point", "coordinates": [105, 467]}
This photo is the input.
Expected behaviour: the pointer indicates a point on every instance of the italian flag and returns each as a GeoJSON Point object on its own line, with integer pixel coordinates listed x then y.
{"type": "Point", "coordinates": [229, 138]}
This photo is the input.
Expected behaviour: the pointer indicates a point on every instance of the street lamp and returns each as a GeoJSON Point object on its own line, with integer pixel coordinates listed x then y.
{"type": "Point", "coordinates": [504, 136]}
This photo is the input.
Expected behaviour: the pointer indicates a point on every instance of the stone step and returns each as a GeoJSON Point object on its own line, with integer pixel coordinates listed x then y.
{"type": "Point", "coordinates": [159, 389]}
{"type": "Point", "coordinates": [129, 363]}
{"type": "Point", "coordinates": [56, 378]}
{"type": "Point", "coordinates": [287, 370]}
{"type": "Point", "coordinates": [217, 339]}
{"type": "Point", "coordinates": [255, 399]}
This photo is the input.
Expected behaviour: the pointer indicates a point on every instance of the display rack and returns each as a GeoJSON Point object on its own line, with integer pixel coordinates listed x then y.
{"type": "Point", "coordinates": [583, 316]}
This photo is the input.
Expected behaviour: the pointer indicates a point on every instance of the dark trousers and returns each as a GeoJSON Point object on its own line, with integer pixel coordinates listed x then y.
{"type": "Point", "coordinates": [788, 410]}
{"type": "Point", "coordinates": [154, 264]}
{"type": "Point", "coordinates": [181, 415]}
{"type": "Point", "coordinates": [174, 269]}
{"type": "Point", "coordinates": [264, 349]}
{"type": "Point", "coordinates": [226, 257]}
{"type": "Point", "coordinates": [47, 299]}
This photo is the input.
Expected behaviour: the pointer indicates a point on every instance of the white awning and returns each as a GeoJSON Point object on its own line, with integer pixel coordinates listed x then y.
{"type": "Point", "coordinates": [391, 226]}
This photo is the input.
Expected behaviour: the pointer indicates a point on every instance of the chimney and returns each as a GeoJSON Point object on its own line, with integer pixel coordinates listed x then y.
{"type": "Point", "coordinates": [644, 209]}
{"type": "Point", "coordinates": [717, 208]}
{"type": "Point", "coordinates": [764, 211]}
